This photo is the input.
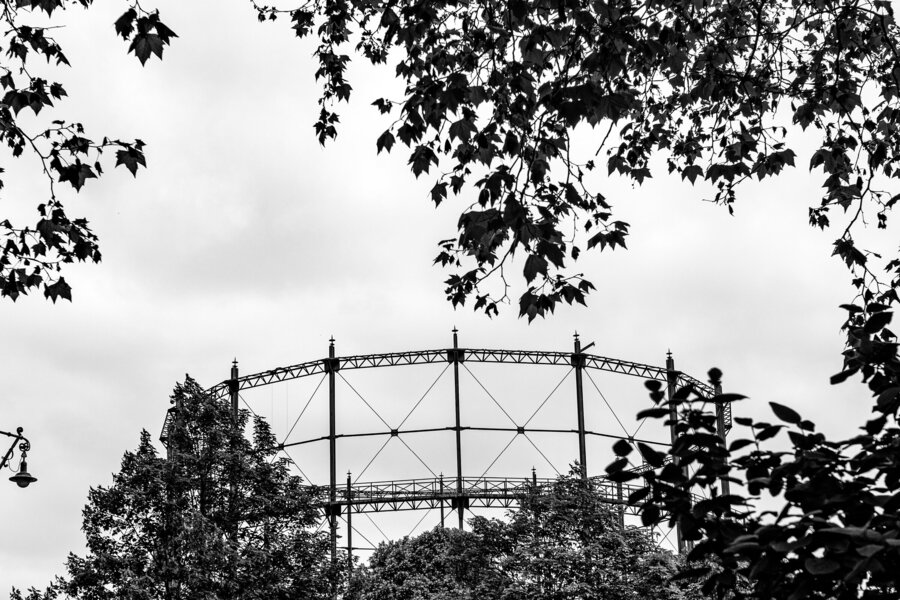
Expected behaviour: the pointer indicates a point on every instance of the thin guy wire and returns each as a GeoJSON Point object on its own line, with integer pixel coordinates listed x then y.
{"type": "Point", "coordinates": [364, 401]}
{"type": "Point", "coordinates": [402, 441]}
{"type": "Point", "coordinates": [321, 525]}
{"type": "Point", "coordinates": [550, 395]}
{"type": "Point", "coordinates": [498, 456]}
{"type": "Point", "coordinates": [511, 420]}
{"type": "Point", "coordinates": [276, 454]}
{"type": "Point", "coordinates": [247, 405]}
{"type": "Point", "coordinates": [665, 537]}
{"type": "Point", "coordinates": [386, 442]}
{"type": "Point", "coordinates": [644, 420]}
{"type": "Point", "coordinates": [291, 430]}
{"type": "Point", "coordinates": [427, 512]}
{"type": "Point", "coordinates": [376, 527]}
{"type": "Point", "coordinates": [423, 396]}
{"type": "Point", "coordinates": [541, 453]}
{"type": "Point", "coordinates": [360, 534]}
{"type": "Point", "coordinates": [615, 416]}
{"type": "Point", "coordinates": [291, 458]}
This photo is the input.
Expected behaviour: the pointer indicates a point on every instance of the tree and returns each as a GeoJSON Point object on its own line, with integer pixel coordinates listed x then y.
{"type": "Point", "coordinates": [218, 518]}
{"type": "Point", "coordinates": [494, 92]}
{"type": "Point", "coordinates": [438, 564]}
{"type": "Point", "coordinates": [32, 255]}
{"type": "Point", "coordinates": [834, 532]}
{"type": "Point", "coordinates": [563, 542]}
{"type": "Point", "coordinates": [566, 542]}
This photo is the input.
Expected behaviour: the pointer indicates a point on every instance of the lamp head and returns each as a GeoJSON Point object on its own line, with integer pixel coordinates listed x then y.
{"type": "Point", "coordinates": [23, 478]}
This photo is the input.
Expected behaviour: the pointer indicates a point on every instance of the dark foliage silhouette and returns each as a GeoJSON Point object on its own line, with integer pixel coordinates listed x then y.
{"type": "Point", "coordinates": [220, 517]}
{"type": "Point", "coordinates": [713, 90]}
{"type": "Point", "coordinates": [32, 255]}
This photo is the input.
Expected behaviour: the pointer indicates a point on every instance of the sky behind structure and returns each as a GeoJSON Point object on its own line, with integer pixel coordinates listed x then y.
{"type": "Point", "coordinates": [244, 238]}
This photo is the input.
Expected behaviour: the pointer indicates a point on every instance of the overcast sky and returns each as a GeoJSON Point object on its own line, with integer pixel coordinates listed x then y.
{"type": "Point", "coordinates": [246, 239]}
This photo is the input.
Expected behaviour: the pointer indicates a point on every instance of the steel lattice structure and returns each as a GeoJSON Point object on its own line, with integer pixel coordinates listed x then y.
{"type": "Point", "coordinates": [460, 492]}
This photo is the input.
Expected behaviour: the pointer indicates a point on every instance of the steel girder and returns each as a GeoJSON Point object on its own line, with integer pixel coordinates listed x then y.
{"type": "Point", "coordinates": [491, 492]}
{"type": "Point", "coordinates": [390, 359]}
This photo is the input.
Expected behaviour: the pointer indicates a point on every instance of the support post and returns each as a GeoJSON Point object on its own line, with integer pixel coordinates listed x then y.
{"type": "Point", "coordinates": [234, 397]}
{"type": "Point", "coordinates": [578, 363]}
{"type": "Point", "coordinates": [332, 455]}
{"type": "Point", "coordinates": [441, 495]}
{"type": "Point", "coordinates": [233, 390]}
{"type": "Point", "coordinates": [458, 428]}
{"type": "Point", "coordinates": [720, 429]}
{"type": "Point", "coordinates": [349, 527]}
{"type": "Point", "coordinates": [672, 378]}
{"type": "Point", "coordinates": [619, 496]}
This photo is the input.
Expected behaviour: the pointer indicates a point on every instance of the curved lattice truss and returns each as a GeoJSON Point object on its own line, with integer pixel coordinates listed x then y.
{"type": "Point", "coordinates": [341, 500]}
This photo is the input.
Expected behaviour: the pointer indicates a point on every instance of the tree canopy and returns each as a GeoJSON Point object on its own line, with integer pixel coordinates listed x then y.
{"type": "Point", "coordinates": [708, 91]}
{"type": "Point", "coordinates": [32, 255]}
{"type": "Point", "coordinates": [561, 543]}
{"type": "Point", "coordinates": [219, 517]}
{"type": "Point", "coordinates": [832, 531]}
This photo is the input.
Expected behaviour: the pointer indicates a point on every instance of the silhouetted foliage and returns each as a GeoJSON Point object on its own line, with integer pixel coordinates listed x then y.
{"type": "Point", "coordinates": [564, 543]}
{"type": "Point", "coordinates": [834, 533]}
{"type": "Point", "coordinates": [495, 90]}
{"type": "Point", "coordinates": [220, 517]}
{"type": "Point", "coordinates": [32, 255]}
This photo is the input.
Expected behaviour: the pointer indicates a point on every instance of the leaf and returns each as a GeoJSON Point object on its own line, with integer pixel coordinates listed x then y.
{"type": "Point", "coordinates": [653, 413]}
{"type": "Point", "coordinates": [76, 174]}
{"type": "Point", "coordinates": [385, 142]}
{"type": "Point", "coordinates": [535, 265]}
{"type": "Point", "coordinates": [722, 398]}
{"type": "Point", "coordinates": [125, 24]}
{"type": "Point", "coordinates": [622, 448]}
{"type": "Point", "coordinates": [144, 44]}
{"type": "Point", "coordinates": [785, 413]}
{"type": "Point", "coordinates": [616, 465]}
{"type": "Point", "coordinates": [421, 159]}
{"type": "Point", "coordinates": [691, 172]}
{"type": "Point", "coordinates": [843, 375]}
{"type": "Point", "coordinates": [821, 566]}
{"type": "Point", "coordinates": [738, 444]}
{"type": "Point", "coordinates": [60, 289]}
{"type": "Point", "coordinates": [131, 158]}
{"type": "Point", "coordinates": [768, 432]}
{"type": "Point", "coordinates": [877, 322]}
{"type": "Point", "coordinates": [636, 496]}
{"type": "Point", "coordinates": [654, 459]}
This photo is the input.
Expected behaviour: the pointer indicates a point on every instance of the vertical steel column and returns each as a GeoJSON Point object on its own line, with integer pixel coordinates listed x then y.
{"type": "Point", "coordinates": [442, 499]}
{"type": "Point", "coordinates": [459, 487]}
{"type": "Point", "coordinates": [578, 363]}
{"type": "Point", "coordinates": [720, 429]}
{"type": "Point", "coordinates": [619, 496]}
{"type": "Point", "coordinates": [672, 378]}
{"type": "Point", "coordinates": [332, 455]}
{"type": "Point", "coordinates": [233, 385]}
{"type": "Point", "coordinates": [233, 390]}
{"type": "Point", "coordinates": [349, 528]}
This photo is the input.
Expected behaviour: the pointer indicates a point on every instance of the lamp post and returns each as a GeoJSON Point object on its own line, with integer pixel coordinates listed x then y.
{"type": "Point", "coordinates": [23, 478]}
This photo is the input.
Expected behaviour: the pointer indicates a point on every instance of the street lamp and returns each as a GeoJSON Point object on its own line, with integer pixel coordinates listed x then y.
{"type": "Point", "coordinates": [23, 478]}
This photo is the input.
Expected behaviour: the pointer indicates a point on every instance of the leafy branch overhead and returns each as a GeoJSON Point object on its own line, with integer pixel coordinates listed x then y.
{"type": "Point", "coordinates": [495, 90]}
{"type": "Point", "coordinates": [32, 255]}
